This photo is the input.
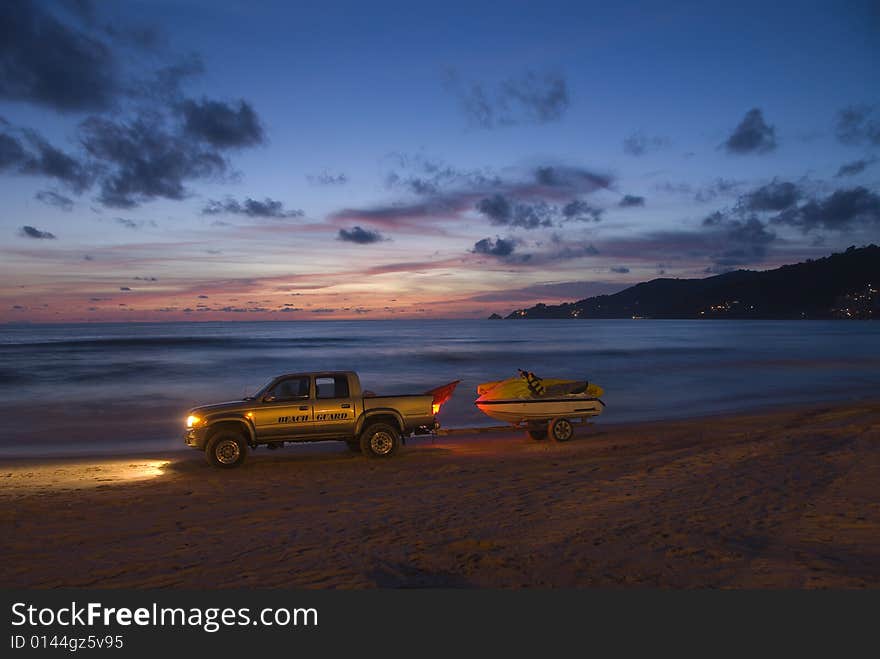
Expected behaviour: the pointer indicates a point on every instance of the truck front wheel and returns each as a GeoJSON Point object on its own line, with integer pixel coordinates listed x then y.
{"type": "Point", "coordinates": [226, 449]}
{"type": "Point", "coordinates": [379, 440]}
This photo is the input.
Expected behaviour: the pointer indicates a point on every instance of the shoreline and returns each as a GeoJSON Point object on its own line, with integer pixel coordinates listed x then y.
{"type": "Point", "coordinates": [141, 448]}
{"type": "Point", "coordinates": [778, 499]}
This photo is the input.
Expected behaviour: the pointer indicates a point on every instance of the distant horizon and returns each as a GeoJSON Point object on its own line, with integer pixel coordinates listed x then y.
{"type": "Point", "coordinates": [169, 160]}
{"type": "Point", "coordinates": [320, 319]}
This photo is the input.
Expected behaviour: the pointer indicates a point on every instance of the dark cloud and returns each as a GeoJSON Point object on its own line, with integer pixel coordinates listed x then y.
{"type": "Point", "coordinates": [73, 62]}
{"type": "Point", "coordinates": [855, 167]}
{"type": "Point", "coordinates": [359, 236]}
{"type": "Point", "coordinates": [581, 211]}
{"type": "Point", "coordinates": [498, 209]}
{"type": "Point", "coordinates": [775, 196]}
{"type": "Point", "coordinates": [737, 241]}
{"type": "Point", "coordinates": [620, 269]}
{"type": "Point", "coordinates": [36, 157]}
{"type": "Point", "coordinates": [222, 125]}
{"type": "Point", "coordinates": [45, 62]}
{"type": "Point", "coordinates": [31, 232]}
{"type": "Point", "coordinates": [51, 198]}
{"type": "Point", "coordinates": [143, 160]}
{"type": "Point", "coordinates": [12, 154]}
{"type": "Point", "coordinates": [499, 247]}
{"type": "Point", "coordinates": [638, 144]}
{"type": "Point", "coordinates": [752, 135]}
{"type": "Point", "coordinates": [843, 210]}
{"type": "Point", "coordinates": [502, 211]}
{"type": "Point", "coordinates": [573, 178]}
{"type": "Point", "coordinates": [532, 98]}
{"type": "Point", "coordinates": [268, 208]}
{"type": "Point", "coordinates": [631, 200]}
{"type": "Point", "coordinates": [325, 178]}
{"type": "Point", "coordinates": [124, 288]}
{"type": "Point", "coordinates": [750, 231]}
{"type": "Point", "coordinates": [857, 124]}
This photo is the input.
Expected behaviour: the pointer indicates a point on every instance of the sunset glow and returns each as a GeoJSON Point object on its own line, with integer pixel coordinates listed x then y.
{"type": "Point", "coordinates": [187, 171]}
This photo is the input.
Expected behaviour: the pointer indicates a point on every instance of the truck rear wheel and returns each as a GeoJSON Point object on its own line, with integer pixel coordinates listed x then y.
{"type": "Point", "coordinates": [379, 440]}
{"type": "Point", "coordinates": [226, 449]}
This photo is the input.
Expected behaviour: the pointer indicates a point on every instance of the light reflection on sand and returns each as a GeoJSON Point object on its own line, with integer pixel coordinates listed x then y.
{"type": "Point", "coordinates": [30, 477]}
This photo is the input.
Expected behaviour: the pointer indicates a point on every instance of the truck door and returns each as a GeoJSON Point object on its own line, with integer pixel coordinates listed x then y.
{"type": "Point", "coordinates": [333, 406]}
{"type": "Point", "coordinates": [285, 411]}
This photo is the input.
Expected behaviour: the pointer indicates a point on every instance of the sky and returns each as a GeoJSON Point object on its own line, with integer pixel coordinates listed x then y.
{"type": "Point", "coordinates": [210, 160]}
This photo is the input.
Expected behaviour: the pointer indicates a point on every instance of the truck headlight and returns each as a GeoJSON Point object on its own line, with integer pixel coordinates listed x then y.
{"type": "Point", "coordinates": [192, 420]}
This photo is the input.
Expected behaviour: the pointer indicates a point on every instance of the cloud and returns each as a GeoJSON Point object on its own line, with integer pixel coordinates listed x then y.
{"type": "Point", "coordinates": [142, 160]}
{"type": "Point", "coordinates": [134, 224]}
{"type": "Point", "coordinates": [221, 125]}
{"type": "Point", "coordinates": [501, 211]}
{"type": "Point", "coordinates": [572, 178]}
{"type": "Point", "coordinates": [856, 124]}
{"type": "Point", "coordinates": [499, 247]}
{"type": "Point", "coordinates": [631, 200]}
{"type": "Point", "coordinates": [360, 236]}
{"type": "Point", "coordinates": [775, 196]}
{"type": "Point", "coordinates": [532, 98]}
{"type": "Point", "coordinates": [428, 177]}
{"type": "Point", "coordinates": [31, 232]}
{"type": "Point", "coordinates": [737, 241]}
{"type": "Point", "coordinates": [843, 210]}
{"type": "Point", "coordinates": [325, 178]}
{"type": "Point", "coordinates": [638, 144]}
{"type": "Point", "coordinates": [855, 167]}
{"type": "Point", "coordinates": [528, 202]}
{"type": "Point", "coordinates": [65, 58]}
{"type": "Point", "coordinates": [581, 211]}
{"type": "Point", "coordinates": [124, 288]}
{"type": "Point", "coordinates": [752, 135]}
{"type": "Point", "coordinates": [36, 157]}
{"type": "Point", "coordinates": [268, 208]}
{"type": "Point", "coordinates": [45, 62]}
{"type": "Point", "coordinates": [54, 199]}
{"type": "Point", "coordinates": [620, 269]}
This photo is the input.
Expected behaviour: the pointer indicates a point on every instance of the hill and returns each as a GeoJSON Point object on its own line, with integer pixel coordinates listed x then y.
{"type": "Point", "coordinates": [838, 286]}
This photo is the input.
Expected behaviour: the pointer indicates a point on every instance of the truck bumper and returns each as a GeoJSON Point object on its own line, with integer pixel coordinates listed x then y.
{"type": "Point", "coordinates": [195, 437]}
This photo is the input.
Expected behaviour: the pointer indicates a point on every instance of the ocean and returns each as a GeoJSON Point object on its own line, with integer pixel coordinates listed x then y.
{"type": "Point", "coordinates": [114, 388]}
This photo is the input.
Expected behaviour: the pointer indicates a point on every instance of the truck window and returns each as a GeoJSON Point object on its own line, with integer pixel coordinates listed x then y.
{"type": "Point", "coordinates": [290, 389]}
{"type": "Point", "coordinates": [331, 387]}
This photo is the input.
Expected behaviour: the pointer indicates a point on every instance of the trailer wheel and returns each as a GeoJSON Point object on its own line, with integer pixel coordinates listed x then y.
{"type": "Point", "coordinates": [379, 440]}
{"type": "Point", "coordinates": [226, 449]}
{"type": "Point", "coordinates": [561, 429]}
{"type": "Point", "coordinates": [537, 432]}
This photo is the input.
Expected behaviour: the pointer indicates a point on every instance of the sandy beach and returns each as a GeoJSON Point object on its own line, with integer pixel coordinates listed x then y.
{"type": "Point", "coordinates": [783, 499]}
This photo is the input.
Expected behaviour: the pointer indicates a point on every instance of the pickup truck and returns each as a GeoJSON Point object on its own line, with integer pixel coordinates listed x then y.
{"type": "Point", "coordinates": [312, 407]}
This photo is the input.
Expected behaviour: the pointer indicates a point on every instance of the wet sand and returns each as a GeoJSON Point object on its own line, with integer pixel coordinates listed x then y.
{"type": "Point", "coordinates": [784, 499]}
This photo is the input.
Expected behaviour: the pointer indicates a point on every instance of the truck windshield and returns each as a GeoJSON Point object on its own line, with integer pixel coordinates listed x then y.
{"type": "Point", "coordinates": [259, 389]}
